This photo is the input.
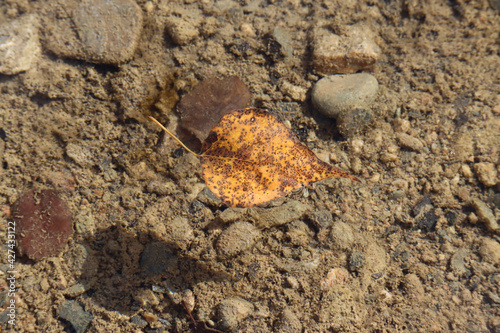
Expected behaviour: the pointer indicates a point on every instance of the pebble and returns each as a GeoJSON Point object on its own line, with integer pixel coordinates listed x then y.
{"type": "Point", "coordinates": [335, 276]}
{"type": "Point", "coordinates": [179, 233]}
{"type": "Point", "coordinates": [334, 54]}
{"type": "Point", "coordinates": [98, 31]}
{"type": "Point", "coordinates": [181, 30]}
{"type": "Point", "coordinates": [457, 262]}
{"type": "Point", "coordinates": [264, 218]}
{"type": "Point", "coordinates": [82, 263]}
{"type": "Point", "coordinates": [321, 219]}
{"type": "Point", "coordinates": [237, 238]}
{"type": "Point", "coordinates": [43, 224]}
{"type": "Point", "coordinates": [336, 94]}
{"type": "Point", "coordinates": [342, 236]}
{"type": "Point", "coordinates": [356, 261]}
{"type": "Point", "coordinates": [409, 142]}
{"type": "Point", "coordinates": [485, 214]}
{"type": "Point", "coordinates": [212, 98]}
{"type": "Point", "coordinates": [487, 173]}
{"type": "Point", "coordinates": [74, 313]}
{"type": "Point", "coordinates": [490, 251]}
{"type": "Point", "coordinates": [288, 322]}
{"type": "Point", "coordinates": [231, 214]}
{"type": "Point", "coordinates": [157, 259]}
{"type": "Point", "coordinates": [232, 311]}
{"type": "Point", "coordinates": [353, 122]}
{"type": "Point", "coordinates": [19, 45]}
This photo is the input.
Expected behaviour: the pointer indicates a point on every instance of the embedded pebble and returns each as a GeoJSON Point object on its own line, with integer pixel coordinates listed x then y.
{"type": "Point", "coordinates": [237, 238]}
{"type": "Point", "coordinates": [490, 251]}
{"type": "Point", "coordinates": [82, 262]}
{"type": "Point", "coordinates": [353, 122]}
{"type": "Point", "coordinates": [487, 173]}
{"type": "Point", "coordinates": [181, 30]}
{"type": "Point", "coordinates": [99, 31]}
{"type": "Point", "coordinates": [231, 214]}
{"type": "Point", "coordinates": [336, 94]}
{"type": "Point", "coordinates": [74, 313]}
{"type": "Point", "coordinates": [43, 224]}
{"type": "Point", "coordinates": [19, 45]}
{"type": "Point", "coordinates": [356, 261]}
{"type": "Point", "coordinates": [264, 218]}
{"type": "Point", "coordinates": [321, 219]}
{"type": "Point", "coordinates": [413, 287]}
{"type": "Point", "coordinates": [342, 236]}
{"type": "Point", "coordinates": [179, 233]}
{"type": "Point", "coordinates": [409, 142]}
{"type": "Point", "coordinates": [457, 262]}
{"type": "Point", "coordinates": [288, 323]}
{"type": "Point", "coordinates": [233, 311]}
{"type": "Point", "coordinates": [354, 51]}
{"type": "Point", "coordinates": [334, 277]}
{"type": "Point", "coordinates": [157, 259]}
{"type": "Point", "coordinates": [485, 214]}
{"type": "Point", "coordinates": [212, 98]}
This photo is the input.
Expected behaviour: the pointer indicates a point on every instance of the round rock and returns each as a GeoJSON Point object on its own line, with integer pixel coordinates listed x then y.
{"type": "Point", "coordinates": [233, 311]}
{"type": "Point", "coordinates": [43, 224]}
{"type": "Point", "coordinates": [239, 237]}
{"type": "Point", "coordinates": [336, 94]}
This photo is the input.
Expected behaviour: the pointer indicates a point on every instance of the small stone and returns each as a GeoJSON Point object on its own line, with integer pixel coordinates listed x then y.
{"type": "Point", "coordinates": [487, 173]}
{"type": "Point", "coordinates": [413, 287]}
{"type": "Point", "coordinates": [409, 142]}
{"type": "Point", "coordinates": [19, 45]}
{"type": "Point", "coordinates": [321, 219]}
{"type": "Point", "coordinates": [157, 259]}
{"type": "Point", "coordinates": [288, 323]}
{"type": "Point", "coordinates": [490, 251]}
{"type": "Point", "coordinates": [181, 30]}
{"type": "Point", "coordinates": [457, 262]}
{"type": "Point", "coordinates": [138, 321]}
{"type": "Point", "coordinates": [74, 313]}
{"type": "Point", "coordinates": [99, 31]}
{"type": "Point", "coordinates": [179, 233]}
{"type": "Point", "coordinates": [82, 263]}
{"type": "Point", "coordinates": [356, 261]}
{"type": "Point", "coordinates": [233, 311]}
{"type": "Point", "coordinates": [203, 107]}
{"type": "Point", "coordinates": [334, 54]}
{"type": "Point", "coordinates": [336, 94]}
{"type": "Point", "coordinates": [334, 277]}
{"type": "Point", "coordinates": [353, 122]}
{"type": "Point", "coordinates": [401, 125]}
{"type": "Point", "coordinates": [264, 218]}
{"type": "Point", "coordinates": [237, 238]}
{"type": "Point", "coordinates": [485, 214]}
{"type": "Point", "coordinates": [466, 171]}
{"type": "Point", "coordinates": [342, 236]}
{"type": "Point", "coordinates": [231, 214]}
{"type": "Point", "coordinates": [43, 224]}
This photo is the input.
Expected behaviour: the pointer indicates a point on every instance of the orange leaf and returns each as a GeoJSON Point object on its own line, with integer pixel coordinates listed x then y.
{"type": "Point", "coordinates": [250, 157]}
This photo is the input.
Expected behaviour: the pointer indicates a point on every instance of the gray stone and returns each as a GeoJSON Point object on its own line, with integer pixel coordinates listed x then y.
{"type": "Point", "coordinates": [233, 311]}
{"type": "Point", "coordinates": [73, 312]}
{"type": "Point", "coordinates": [342, 236]}
{"type": "Point", "coordinates": [457, 262]}
{"type": "Point", "coordinates": [19, 45]}
{"type": "Point", "coordinates": [99, 31]}
{"type": "Point", "coordinates": [337, 94]}
{"type": "Point", "coordinates": [239, 237]}
{"type": "Point", "coordinates": [272, 217]}
{"type": "Point", "coordinates": [485, 214]}
{"type": "Point", "coordinates": [157, 259]}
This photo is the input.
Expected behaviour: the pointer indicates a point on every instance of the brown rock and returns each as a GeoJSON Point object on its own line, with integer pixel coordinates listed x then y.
{"type": "Point", "coordinates": [203, 107]}
{"type": "Point", "coordinates": [239, 237]}
{"type": "Point", "coordinates": [43, 224]}
{"type": "Point", "coordinates": [487, 173]}
{"type": "Point", "coordinates": [334, 54]}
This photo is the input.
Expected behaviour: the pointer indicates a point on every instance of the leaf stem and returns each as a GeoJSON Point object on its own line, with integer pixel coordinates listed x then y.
{"type": "Point", "coordinates": [173, 136]}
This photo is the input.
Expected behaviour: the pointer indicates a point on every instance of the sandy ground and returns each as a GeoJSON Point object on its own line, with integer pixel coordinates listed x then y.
{"type": "Point", "coordinates": [405, 250]}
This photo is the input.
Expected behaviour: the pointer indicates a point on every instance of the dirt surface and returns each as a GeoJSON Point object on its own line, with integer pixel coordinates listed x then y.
{"type": "Point", "coordinates": [405, 250]}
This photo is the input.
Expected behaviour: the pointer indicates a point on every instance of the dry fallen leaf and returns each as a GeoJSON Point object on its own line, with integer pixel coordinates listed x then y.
{"type": "Point", "coordinates": [250, 157]}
